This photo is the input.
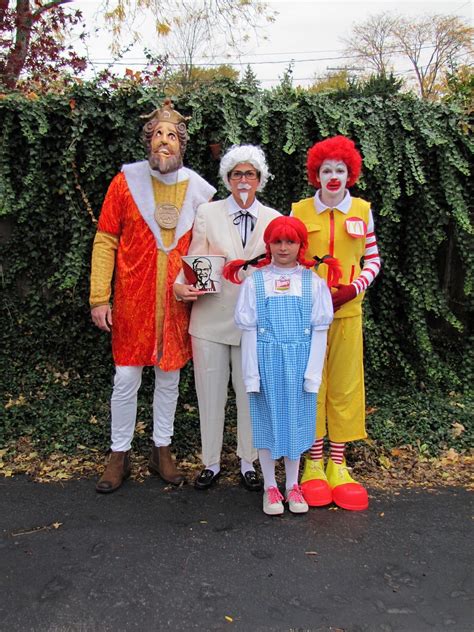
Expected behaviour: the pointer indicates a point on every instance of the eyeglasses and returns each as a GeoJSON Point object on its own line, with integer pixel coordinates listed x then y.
{"type": "Point", "coordinates": [238, 175]}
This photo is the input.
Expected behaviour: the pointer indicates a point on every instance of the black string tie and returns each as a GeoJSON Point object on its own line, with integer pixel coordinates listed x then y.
{"type": "Point", "coordinates": [245, 219]}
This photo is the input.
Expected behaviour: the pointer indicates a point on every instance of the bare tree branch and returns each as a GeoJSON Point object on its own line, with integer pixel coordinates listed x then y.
{"type": "Point", "coordinates": [186, 28]}
{"type": "Point", "coordinates": [372, 42]}
{"type": "Point", "coordinates": [377, 40]}
{"type": "Point", "coordinates": [445, 35]}
{"type": "Point", "coordinates": [46, 7]}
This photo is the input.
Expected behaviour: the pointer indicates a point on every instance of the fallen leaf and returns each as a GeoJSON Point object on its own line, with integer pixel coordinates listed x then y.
{"type": "Point", "coordinates": [62, 475]}
{"type": "Point", "coordinates": [140, 427]}
{"type": "Point", "coordinates": [385, 462]}
{"type": "Point", "coordinates": [457, 429]}
{"type": "Point", "coordinates": [451, 455]}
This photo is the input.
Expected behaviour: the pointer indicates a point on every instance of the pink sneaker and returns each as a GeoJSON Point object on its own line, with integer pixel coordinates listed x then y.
{"type": "Point", "coordinates": [296, 501]}
{"type": "Point", "coordinates": [272, 502]}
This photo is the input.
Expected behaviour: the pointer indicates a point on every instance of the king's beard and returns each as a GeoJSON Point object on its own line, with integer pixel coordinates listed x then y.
{"type": "Point", "coordinates": [166, 164]}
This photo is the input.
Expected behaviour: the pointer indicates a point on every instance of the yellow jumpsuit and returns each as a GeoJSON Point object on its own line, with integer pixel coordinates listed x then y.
{"type": "Point", "coordinates": [341, 398]}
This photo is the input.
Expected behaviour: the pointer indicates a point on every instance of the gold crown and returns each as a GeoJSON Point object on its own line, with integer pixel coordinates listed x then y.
{"type": "Point", "coordinates": [167, 114]}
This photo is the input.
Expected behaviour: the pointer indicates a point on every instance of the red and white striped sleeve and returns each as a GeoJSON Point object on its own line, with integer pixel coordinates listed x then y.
{"type": "Point", "coordinates": [371, 259]}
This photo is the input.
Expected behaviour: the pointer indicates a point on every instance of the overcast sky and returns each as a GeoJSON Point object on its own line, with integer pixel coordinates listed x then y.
{"type": "Point", "coordinates": [306, 32]}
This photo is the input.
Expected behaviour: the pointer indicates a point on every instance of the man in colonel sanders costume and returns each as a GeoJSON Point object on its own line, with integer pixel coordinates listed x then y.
{"type": "Point", "coordinates": [343, 227]}
{"type": "Point", "coordinates": [144, 229]}
{"type": "Point", "coordinates": [234, 228]}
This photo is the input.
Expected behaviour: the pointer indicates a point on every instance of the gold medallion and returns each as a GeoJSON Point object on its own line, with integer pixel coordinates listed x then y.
{"type": "Point", "coordinates": [166, 215]}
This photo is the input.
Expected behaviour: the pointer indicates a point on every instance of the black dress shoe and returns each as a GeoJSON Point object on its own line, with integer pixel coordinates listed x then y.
{"type": "Point", "coordinates": [251, 481]}
{"type": "Point", "coordinates": [205, 479]}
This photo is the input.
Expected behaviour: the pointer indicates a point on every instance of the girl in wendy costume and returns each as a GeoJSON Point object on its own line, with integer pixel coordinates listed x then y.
{"type": "Point", "coordinates": [343, 226]}
{"type": "Point", "coordinates": [284, 311]}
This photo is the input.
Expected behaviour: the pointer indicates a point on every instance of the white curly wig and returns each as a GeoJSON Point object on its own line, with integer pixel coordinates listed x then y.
{"type": "Point", "coordinates": [238, 154]}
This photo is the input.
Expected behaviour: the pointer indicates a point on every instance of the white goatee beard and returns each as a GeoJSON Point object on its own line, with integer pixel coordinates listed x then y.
{"type": "Point", "coordinates": [243, 192]}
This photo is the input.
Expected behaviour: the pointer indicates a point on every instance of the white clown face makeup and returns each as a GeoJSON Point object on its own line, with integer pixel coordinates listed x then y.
{"type": "Point", "coordinates": [333, 175]}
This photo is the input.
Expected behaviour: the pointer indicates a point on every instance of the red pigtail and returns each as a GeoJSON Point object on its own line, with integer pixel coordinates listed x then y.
{"type": "Point", "coordinates": [335, 269]}
{"type": "Point", "coordinates": [231, 270]}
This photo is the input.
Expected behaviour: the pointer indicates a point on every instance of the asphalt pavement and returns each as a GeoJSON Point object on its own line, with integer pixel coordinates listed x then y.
{"type": "Point", "coordinates": [152, 558]}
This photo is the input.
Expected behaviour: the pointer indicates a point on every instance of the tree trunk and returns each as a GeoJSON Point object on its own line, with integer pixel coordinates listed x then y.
{"type": "Point", "coordinates": [25, 18]}
{"type": "Point", "coordinates": [17, 55]}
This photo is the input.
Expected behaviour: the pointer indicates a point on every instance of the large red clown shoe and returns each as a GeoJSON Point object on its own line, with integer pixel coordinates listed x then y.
{"type": "Point", "coordinates": [346, 492]}
{"type": "Point", "coordinates": [314, 484]}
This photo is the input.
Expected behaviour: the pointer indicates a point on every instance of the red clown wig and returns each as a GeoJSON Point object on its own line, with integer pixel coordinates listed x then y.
{"type": "Point", "coordinates": [335, 148]}
{"type": "Point", "coordinates": [288, 228]}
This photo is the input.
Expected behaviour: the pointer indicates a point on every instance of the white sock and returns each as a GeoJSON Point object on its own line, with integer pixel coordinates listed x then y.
{"type": "Point", "coordinates": [245, 466]}
{"type": "Point", "coordinates": [292, 467]}
{"type": "Point", "coordinates": [215, 468]}
{"type": "Point", "coordinates": [268, 468]}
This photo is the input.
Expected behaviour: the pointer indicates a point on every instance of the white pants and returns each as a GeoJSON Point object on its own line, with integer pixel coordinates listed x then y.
{"type": "Point", "coordinates": [212, 365]}
{"type": "Point", "coordinates": [124, 405]}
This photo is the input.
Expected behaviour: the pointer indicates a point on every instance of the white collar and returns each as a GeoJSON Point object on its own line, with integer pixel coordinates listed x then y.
{"type": "Point", "coordinates": [283, 271]}
{"type": "Point", "coordinates": [343, 206]}
{"type": "Point", "coordinates": [233, 207]}
{"type": "Point", "coordinates": [140, 186]}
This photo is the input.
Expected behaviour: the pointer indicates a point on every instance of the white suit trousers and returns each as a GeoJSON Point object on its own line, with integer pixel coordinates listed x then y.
{"type": "Point", "coordinates": [213, 363]}
{"type": "Point", "coordinates": [124, 406]}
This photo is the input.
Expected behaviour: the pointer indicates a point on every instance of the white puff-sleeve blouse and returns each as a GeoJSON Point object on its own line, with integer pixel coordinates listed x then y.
{"type": "Point", "coordinates": [246, 319]}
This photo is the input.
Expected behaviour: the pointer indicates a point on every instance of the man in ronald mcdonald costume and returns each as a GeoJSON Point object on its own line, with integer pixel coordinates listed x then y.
{"type": "Point", "coordinates": [144, 228]}
{"type": "Point", "coordinates": [343, 227]}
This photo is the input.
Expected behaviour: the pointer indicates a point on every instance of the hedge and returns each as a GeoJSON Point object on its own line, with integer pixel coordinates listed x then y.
{"type": "Point", "coordinates": [57, 157]}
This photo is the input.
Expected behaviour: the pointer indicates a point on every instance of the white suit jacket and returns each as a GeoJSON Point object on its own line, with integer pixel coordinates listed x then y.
{"type": "Point", "coordinates": [212, 315]}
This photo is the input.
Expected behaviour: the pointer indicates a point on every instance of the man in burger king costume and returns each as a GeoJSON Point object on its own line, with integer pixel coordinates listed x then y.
{"type": "Point", "coordinates": [341, 226]}
{"type": "Point", "coordinates": [144, 229]}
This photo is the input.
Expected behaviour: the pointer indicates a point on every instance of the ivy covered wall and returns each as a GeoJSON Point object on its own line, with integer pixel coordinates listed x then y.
{"type": "Point", "coordinates": [59, 152]}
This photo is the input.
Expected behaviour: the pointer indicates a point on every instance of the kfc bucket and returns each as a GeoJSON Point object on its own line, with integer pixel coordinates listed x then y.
{"type": "Point", "coordinates": [204, 272]}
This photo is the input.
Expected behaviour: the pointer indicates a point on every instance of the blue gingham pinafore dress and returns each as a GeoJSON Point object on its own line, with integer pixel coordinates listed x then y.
{"type": "Point", "coordinates": [283, 415]}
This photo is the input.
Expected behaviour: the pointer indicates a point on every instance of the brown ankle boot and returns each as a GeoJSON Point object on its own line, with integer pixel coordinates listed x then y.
{"type": "Point", "coordinates": [116, 472]}
{"type": "Point", "coordinates": [161, 462]}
